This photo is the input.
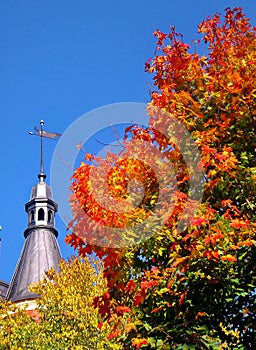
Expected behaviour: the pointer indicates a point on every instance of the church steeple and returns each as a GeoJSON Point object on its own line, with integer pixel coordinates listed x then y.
{"type": "Point", "coordinates": [41, 250]}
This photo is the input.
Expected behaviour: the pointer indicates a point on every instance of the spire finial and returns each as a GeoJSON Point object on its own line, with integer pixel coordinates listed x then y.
{"type": "Point", "coordinates": [42, 175]}
{"type": "Point", "coordinates": [42, 134]}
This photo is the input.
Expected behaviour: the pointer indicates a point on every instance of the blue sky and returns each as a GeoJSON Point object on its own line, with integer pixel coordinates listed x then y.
{"type": "Point", "coordinates": [61, 59]}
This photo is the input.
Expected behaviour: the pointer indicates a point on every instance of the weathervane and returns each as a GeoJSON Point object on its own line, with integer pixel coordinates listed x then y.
{"type": "Point", "coordinates": [42, 134]}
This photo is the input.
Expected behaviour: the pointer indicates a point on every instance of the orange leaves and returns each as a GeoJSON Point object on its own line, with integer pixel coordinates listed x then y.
{"type": "Point", "coordinates": [138, 342]}
{"type": "Point", "coordinates": [182, 298]}
{"type": "Point", "coordinates": [157, 309]}
{"type": "Point", "coordinates": [213, 238]}
{"type": "Point", "coordinates": [229, 258]}
{"type": "Point", "coordinates": [179, 261]}
{"type": "Point", "coordinates": [173, 59]}
{"type": "Point", "coordinates": [200, 314]}
{"type": "Point", "coordinates": [74, 240]}
{"type": "Point", "coordinates": [224, 160]}
{"type": "Point", "coordinates": [239, 223]}
{"type": "Point", "coordinates": [34, 314]}
{"type": "Point", "coordinates": [211, 254]}
{"type": "Point", "coordinates": [226, 202]}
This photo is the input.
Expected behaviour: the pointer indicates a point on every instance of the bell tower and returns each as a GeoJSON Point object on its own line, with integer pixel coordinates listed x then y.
{"type": "Point", "coordinates": [41, 208]}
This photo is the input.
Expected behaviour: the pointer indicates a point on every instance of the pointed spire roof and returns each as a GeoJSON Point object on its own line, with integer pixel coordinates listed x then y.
{"type": "Point", "coordinates": [3, 289]}
{"type": "Point", "coordinates": [41, 250]}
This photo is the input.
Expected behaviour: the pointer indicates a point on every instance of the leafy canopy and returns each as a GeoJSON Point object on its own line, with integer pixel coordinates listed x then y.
{"type": "Point", "coordinates": [194, 288]}
{"type": "Point", "coordinates": [65, 317]}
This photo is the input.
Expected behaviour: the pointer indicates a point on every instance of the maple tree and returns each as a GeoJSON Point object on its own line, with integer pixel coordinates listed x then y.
{"type": "Point", "coordinates": [192, 288]}
{"type": "Point", "coordinates": [65, 317]}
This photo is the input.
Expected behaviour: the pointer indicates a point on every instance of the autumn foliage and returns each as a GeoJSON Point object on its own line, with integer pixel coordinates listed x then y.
{"type": "Point", "coordinates": [192, 288]}
{"type": "Point", "coordinates": [64, 317]}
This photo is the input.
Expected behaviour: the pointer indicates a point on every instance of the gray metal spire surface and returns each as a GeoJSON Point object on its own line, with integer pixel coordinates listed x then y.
{"type": "Point", "coordinates": [3, 289]}
{"type": "Point", "coordinates": [41, 250]}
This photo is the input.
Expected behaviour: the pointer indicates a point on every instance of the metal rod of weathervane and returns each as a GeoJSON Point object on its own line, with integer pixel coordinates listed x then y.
{"type": "Point", "coordinates": [42, 175]}
{"type": "Point", "coordinates": [42, 134]}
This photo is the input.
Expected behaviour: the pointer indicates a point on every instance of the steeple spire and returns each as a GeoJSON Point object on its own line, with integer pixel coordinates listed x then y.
{"type": "Point", "coordinates": [42, 175]}
{"type": "Point", "coordinates": [42, 134]}
{"type": "Point", "coordinates": [41, 250]}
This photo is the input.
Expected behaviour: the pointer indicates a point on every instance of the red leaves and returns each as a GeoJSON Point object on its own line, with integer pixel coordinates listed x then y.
{"type": "Point", "coordinates": [139, 297]}
{"type": "Point", "coordinates": [144, 286]}
{"type": "Point", "coordinates": [116, 333]}
{"type": "Point", "coordinates": [130, 286]}
{"type": "Point", "coordinates": [160, 36]}
{"type": "Point", "coordinates": [103, 303]}
{"type": "Point", "coordinates": [197, 221]}
{"type": "Point", "coordinates": [33, 314]}
{"type": "Point", "coordinates": [85, 250]}
{"type": "Point", "coordinates": [148, 284]}
{"type": "Point", "coordinates": [120, 310]}
{"type": "Point", "coordinates": [157, 309]}
{"type": "Point", "coordinates": [211, 254]}
{"type": "Point", "coordinates": [182, 298]}
{"type": "Point", "coordinates": [100, 324]}
{"type": "Point", "coordinates": [74, 240]}
{"type": "Point", "coordinates": [200, 314]}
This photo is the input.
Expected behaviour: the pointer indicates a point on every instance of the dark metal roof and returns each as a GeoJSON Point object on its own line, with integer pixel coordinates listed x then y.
{"type": "Point", "coordinates": [40, 253]}
{"type": "Point", "coordinates": [3, 289]}
{"type": "Point", "coordinates": [41, 250]}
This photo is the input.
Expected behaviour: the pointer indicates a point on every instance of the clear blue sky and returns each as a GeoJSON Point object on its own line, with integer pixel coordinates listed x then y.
{"type": "Point", "coordinates": [61, 59]}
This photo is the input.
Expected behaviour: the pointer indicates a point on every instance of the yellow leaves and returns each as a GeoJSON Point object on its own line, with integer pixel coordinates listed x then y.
{"type": "Point", "coordinates": [67, 317]}
{"type": "Point", "coordinates": [204, 60]}
{"type": "Point", "coordinates": [229, 332]}
{"type": "Point", "coordinates": [129, 327]}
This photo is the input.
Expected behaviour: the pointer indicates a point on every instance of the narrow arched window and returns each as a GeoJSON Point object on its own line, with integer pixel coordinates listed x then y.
{"type": "Point", "coordinates": [41, 214]}
{"type": "Point", "coordinates": [49, 216]}
{"type": "Point", "coordinates": [32, 216]}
